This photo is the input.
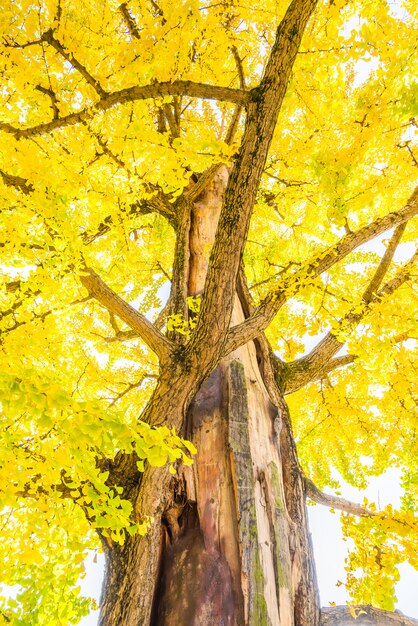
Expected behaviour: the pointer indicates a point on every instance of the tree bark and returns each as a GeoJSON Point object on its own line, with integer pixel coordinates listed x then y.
{"type": "Point", "coordinates": [364, 615]}
{"type": "Point", "coordinates": [229, 543]}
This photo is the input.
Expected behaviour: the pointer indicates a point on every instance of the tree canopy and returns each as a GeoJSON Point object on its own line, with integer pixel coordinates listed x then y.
{"type": "Point", "coordinates": [114, 118]}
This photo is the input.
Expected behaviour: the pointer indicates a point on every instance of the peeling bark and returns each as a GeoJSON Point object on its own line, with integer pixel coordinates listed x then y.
{"type": "Point", "coordinates": [229, 543]}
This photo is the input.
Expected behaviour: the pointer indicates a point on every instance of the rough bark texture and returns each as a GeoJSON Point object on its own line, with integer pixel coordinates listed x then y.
{"type": "Point", "coordinates": [365, 616]}
{"type": "Point", "coordinates": [232, 557]}
{"type": "Point", "coordinates": [229, 545]}
{"type": "Point", "coordinates": [230, 542]}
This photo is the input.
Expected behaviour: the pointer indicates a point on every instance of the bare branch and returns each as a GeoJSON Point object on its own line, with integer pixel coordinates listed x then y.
{"type": "Point", "coordinates": [238, 63]}
{"type": "Point", "coordinates": [116, 305]}
{"type": "Point", "coordinates": [131, 94]}
{"type": "Point", "coordinates": [263, 111]}
{"type": "Point", "coordinates": [16, 181]}
{"type": "Point", "coordinates": [69, 56]}
{"type": "Point", "coordinates": [233, 125]}
{"type": "Point", "coordinates": [334, 502]}
{"type": "Point", "coordinates": [130, 22]}
{"type": "Point", "coordinates": [289, 286]}
{"type": "Point", "coordinates": [315, 364]}
{"type": "Point", "coordinates": [172, 121]}
{"type": "Point", "coordinates": [365, 614]}
{"type": "Point", "coordinates": [383, 266]}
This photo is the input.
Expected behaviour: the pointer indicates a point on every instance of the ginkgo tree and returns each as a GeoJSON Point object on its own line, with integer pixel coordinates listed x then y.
{"type": "Point", "coordinates": [191, 194]}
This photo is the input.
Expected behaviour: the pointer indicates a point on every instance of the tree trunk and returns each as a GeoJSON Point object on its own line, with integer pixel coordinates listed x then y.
{"type": "Point", "coordinates": [230, 543]}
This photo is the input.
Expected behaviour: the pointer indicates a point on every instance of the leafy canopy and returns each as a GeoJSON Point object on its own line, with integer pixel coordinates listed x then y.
{"type": "Point", "coordinates": [102, 130]}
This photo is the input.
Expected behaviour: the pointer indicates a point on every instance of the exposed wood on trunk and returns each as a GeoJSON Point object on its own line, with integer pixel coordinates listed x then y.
{"type": "Point", "coordinates": [205, 216]}
{"type": "Point", "coordinates": [212, 549]}
{"type": "Point", "coordinates": [252, 579]}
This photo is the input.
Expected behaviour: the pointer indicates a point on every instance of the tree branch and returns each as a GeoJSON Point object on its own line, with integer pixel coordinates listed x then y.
{"type": "Point", "coordinates": [157, 203]}
{"type": "Point", "coordinates": [179, 288]}
{"type": "Point", "coordinates": [240, 69]}
{"type": "Point", "coordinates": [203, 181]}
{"type": "Point", "coordinates": [366, 614]}
{"type": "Point", "coordinates": [69, 56]}
{"type": "Point", "coordinates": [334, 502]}
{"type": "Point", "coordinates": [263, 110]}
{"type": "Point", "coordinates": [17, 182]}
{"type": "Point", "coordinates": [289, 286]}
{"type": "Point", "coordinates": [131, 94]}
{"type": "Point", "coordinates": [314, 365]}
{"type": "Point", "coordinates": [130, 22]}
{"type": "Point", "coordinates": [115, 304]}
{"type": "Point", "coordinates": [333, 364]}
{"type": "Point", "coordinates": [383, 266]}
{"type": "Point", "coordinates": [53, 98]}
{"type": "Point", "coordinates": [233, 125]}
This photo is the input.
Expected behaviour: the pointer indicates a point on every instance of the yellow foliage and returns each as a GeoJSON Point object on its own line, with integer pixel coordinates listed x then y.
{"type": "Point", "coordinates": [90, 181]}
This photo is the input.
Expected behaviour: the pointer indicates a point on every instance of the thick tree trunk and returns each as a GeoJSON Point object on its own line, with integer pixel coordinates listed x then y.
{"type": "Point", "coordinates": [230, 542]}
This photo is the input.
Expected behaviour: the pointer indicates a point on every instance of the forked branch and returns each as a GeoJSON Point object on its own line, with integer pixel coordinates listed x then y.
{"type": "Point", "coordinates": [315, 364]}
{"type": "Point", "coordinates": [131, 94]}
{"type": "Point", "coordinates": [263, 111]}
{"type": "Point", "coordinates": [290, 285]}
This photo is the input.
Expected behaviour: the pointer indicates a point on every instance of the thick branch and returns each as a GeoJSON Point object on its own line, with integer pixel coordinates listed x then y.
{"type": "Point", "coordinates": [383, 266]}
{"type": "Point", "coordinates": [365, 614]}
{"type": "Point", "coordinates": [334, 502]}
{"type": "Point", "coordinates": [115, 304]}
{"type": "Point", "coordinates": [69, 56]}
{"type": "Point", "coordinates": [240, 196]}
{"type": "Point", "coordinates": [240, 69]}
{"type": "Point", "coordinates": [177, 302]}
{"type": "Point", "coordinates": [130, 22]}
{"type": "Point", "coordinates": [205, 178]}
{"type": "Point", "coordinates": [290, 285]}
{"type": "Point", "coordinates": [138, 92]}
{"type": "Point", "coordinates": [315, 364]}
